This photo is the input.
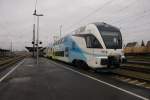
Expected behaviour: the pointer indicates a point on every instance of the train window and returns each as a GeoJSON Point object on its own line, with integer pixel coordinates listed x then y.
{"type": "Point", "coordinates": [92, 42]}
{"type": "Point", "coordinates": [112, 40]}
{"type": "Point", "coordinates": [59, 53]}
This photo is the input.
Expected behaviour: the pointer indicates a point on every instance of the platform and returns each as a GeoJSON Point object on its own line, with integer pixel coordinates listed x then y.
{"type": "Point", "coordinates": [52, 81]}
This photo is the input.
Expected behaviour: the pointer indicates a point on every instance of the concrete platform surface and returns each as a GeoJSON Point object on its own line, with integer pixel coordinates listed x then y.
{"type": "Point", "coordinates": [51, 81]}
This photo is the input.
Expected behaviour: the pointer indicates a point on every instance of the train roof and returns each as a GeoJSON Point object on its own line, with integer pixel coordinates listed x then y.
{"type": "Point", "coordinates": [100, 25]}
{"type": "Point", "coordinates": [106, 27]}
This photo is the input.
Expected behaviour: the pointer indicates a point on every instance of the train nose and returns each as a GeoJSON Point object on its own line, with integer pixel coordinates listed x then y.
{"type": "Point", "coordinates": [114, 60]}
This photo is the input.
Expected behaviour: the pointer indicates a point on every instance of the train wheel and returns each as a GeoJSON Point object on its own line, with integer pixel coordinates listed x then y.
{"type": "Point", "coordinates": [80, 64]}
{"type": "Point", "coordinates": [84, 65]}
{"type": "Point", "coordinates": [75, 63]}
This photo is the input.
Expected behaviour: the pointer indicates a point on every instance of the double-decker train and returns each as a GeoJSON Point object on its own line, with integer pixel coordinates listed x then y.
{"type": "Point", "coordinates": [96, 45]}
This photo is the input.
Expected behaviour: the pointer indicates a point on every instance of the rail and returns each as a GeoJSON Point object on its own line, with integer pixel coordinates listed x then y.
{"type": "Point", "coordinates": [139, 62]}
{"type": "Point", "coordinates": [136, 72]}
{"type": "Point", "coordinates": [10, 61]}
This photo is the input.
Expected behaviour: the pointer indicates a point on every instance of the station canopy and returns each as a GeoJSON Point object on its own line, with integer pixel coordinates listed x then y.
{"type": "Point", "coordinates": [30, 49]}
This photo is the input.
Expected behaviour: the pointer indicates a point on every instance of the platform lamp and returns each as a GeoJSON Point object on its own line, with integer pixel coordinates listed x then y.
{"type": "Point", "coordinates": [37, 41]}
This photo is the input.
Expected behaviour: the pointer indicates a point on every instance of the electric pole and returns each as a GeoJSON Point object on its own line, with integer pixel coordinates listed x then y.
{"type": "Point", "coordinates": [33, 42]}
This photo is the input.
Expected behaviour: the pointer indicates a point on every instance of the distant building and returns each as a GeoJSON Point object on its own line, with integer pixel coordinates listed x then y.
{"type": "Point", "coordinates": [148, 44]}
{"type": "Point", "coordinates": [132, 44]}
{"type": "Point", "coordinates": [4, 52]}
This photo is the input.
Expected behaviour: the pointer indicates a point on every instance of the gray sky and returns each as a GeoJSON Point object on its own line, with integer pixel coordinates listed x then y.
{"type": "Point", "coordinates": [16, 19]}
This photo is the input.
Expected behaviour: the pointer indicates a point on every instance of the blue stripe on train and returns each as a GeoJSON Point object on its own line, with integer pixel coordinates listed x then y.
{"type": "Point", "coordinates": [76, 52]}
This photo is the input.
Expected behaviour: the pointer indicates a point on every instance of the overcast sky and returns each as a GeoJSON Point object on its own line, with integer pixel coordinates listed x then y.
{"type": "Point", "coordinates": [16, 19]}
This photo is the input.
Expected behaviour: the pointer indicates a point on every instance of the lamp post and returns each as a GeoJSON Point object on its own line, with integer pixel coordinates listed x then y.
{"type": "Point", "coordinates": [33, 42]}
{"type": "Point", "coordinates": [37, 40]}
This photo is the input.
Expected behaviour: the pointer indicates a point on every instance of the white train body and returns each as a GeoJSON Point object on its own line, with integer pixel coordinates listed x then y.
{"type": "Point", "coordinates": [98, 45]}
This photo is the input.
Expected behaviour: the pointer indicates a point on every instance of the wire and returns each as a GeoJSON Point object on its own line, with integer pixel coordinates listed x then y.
{"type": "Point", "coordinates": [135, 18]}
{"type": "Point", "coordinates": [90, 14]}
{"type": "Point", "coordinates": [127, 6]}
{"type": "Point", "coordinates": [124, 8]}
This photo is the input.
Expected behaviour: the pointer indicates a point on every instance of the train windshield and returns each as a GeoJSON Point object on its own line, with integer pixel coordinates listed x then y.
{"type": "Point", "coordinates": [112, 40]}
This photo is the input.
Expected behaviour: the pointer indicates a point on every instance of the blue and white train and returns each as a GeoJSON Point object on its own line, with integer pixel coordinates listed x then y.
{"type": "Point", "coordinates": [96, 45]}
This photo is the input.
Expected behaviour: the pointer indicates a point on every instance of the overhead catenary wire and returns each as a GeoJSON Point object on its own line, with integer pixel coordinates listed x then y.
{"type": "Point", "coordinates": [97, 10]}
{"type": "Point", "coordinates": [100, 8]}
{"type": "Point", "coordinates": [123, 8]}
{"type": "Point", "coordinates": [88, 15]}
{"type": "Point", "coordinates": [141, 15]}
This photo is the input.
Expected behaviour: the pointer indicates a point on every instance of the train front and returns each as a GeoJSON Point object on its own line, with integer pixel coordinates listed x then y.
{"type": "Point", "coordinates": [112, 40]}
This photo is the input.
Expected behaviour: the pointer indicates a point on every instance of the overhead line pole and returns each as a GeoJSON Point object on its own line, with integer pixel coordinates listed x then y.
{"type": "Point", "coordinates": [33, 41]}
{"type": "Point", "coordinates": [90, 14]}
{"type": "Point", "coordinates": [37, 40]}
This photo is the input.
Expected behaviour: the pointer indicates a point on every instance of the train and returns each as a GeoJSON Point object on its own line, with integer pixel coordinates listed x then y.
{"type": "Point", "coordinates": [96, 45]}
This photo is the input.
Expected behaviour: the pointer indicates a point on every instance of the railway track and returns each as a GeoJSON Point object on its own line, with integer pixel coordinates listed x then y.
{"type": "Point", "coordinates": [139, 62]}
{"type": "Point", "coordinates": [137, 68]}
{"type": "Point", "coordinates": [134, 74]}
{"type": "Point", "coordinates": [9, 62]}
